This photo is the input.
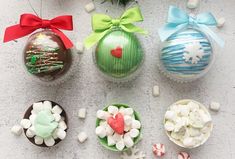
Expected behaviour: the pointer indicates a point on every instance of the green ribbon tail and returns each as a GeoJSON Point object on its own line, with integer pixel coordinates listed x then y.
{"type": "Point", "coordinates": [94, 38]}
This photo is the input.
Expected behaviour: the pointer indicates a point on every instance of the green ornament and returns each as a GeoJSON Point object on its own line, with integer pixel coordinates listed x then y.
{"type": "Point", "coordinates": [44, 124]}
{"type": "Point", "coordinates": [119, 53]}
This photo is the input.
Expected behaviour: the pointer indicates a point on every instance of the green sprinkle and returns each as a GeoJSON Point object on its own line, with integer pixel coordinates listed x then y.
{"type": "Point", "coordinates": [33, 59]}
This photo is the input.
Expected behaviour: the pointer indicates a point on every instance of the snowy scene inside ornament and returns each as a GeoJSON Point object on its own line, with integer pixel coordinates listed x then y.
{"type": "Point", "coordinates": [118, 54]}
{"type": "Point", "coordinates": [186, 55]}
{"type": "Point", "coordinates": [45, 56]}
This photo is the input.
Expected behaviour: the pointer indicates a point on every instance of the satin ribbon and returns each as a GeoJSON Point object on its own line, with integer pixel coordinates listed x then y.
{"type": "Point", "coordinates": [29, 23]}
{"type": "Point", "coordinates": [101, 24]}
{"type": "Point", "coordinates": [179, 20]}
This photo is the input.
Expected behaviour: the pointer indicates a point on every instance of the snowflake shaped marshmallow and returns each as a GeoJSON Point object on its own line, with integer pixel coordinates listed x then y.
{"type": "Point", "coordinates": [135, 153]}
{"type": "Point", "coordinates": [193, 52]}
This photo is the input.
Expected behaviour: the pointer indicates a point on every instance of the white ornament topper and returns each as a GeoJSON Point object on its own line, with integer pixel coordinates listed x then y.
{"type": "Point", "coordinates": [193, 52]}
{"type": "Point", "coordinates": [135, 153]}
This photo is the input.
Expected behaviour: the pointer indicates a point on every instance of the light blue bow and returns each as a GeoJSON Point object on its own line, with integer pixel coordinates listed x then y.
{"type": "Point", "coordinates": [179, 20]}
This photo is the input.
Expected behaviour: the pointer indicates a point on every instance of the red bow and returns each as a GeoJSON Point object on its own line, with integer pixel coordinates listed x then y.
{"type": "Point", "coordinates": [29, 23]}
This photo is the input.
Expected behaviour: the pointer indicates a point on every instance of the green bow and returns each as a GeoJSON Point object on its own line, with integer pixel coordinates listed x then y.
{"type": "Point", "coordinates": [101, 24]}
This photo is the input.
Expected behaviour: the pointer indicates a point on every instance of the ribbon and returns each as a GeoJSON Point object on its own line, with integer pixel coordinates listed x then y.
{"type": "Point", "coordinates": [101, 24]}
{"type": "Point", "coordinates": [178, 20]}
{"type": "Point", "coordinates": [29, 23]}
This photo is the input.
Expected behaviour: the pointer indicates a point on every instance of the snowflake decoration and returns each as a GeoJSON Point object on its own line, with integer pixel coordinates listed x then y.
{"type": "Point", "coordinates": [135, 153]}
{"type": "Point", "coordinates": [193, 52]}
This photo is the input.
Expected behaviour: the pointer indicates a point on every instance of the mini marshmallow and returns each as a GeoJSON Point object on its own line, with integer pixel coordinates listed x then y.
{"type": "Point", "coordinates": [205, 117]}
{"type": "Point", "coordinates": [47, 105]}
{"type": "Point", "coordinates": [128, 141]}
{"type": "Point", "coordinates": [170, 115]}
{"type": "Point", "coordinates": [17, 130]}
{"type": "Point", "coordinates": [111, 141]}
{"type": "Point", "coordinates": [122, 110]}
{"type": "Point", "coordinates": [54, 135]}
{"type": "Point", "coordinates": [188, 142]}
{"type": "Point", "coordinates": [82, 137]}
{"type": "Point", "coordinates": [109, 130]}
{"type": "Point", "coordinates": [127, 120]}
{"type": "Point", "coordinates": [37, 107]}
{"type": "Point", "coordinates": [156, 91]}
{"type": "Point", "coordinates": [82, 113]}
{"type": "Point", "coordinates": [56, 110]}
{"type": "Point", "coordinates": [29, 134]}
{"type": "Point", "coordinates": [193, 132]}
{"type": "Point", "coordinates": [220, 22]}
{"type": "Point", "coordinates": [100, 131]}
{"type": "Point", "coordinates": [25, 123]}
{"type": "Point", "coordinates": [215, 106]}
{"type": "Point", "coordinates": [176, 135]}
{"type": "Point", "coordinates": [120, 145]}
{"type": "Point", "coordinates": [61, 134]}
{"type": "Point", "coordinates": [38, 140]}
{"type": "Point", "coordinates": [57, 117]}
{"type": "Point", "coordinates": [192, 4]}
{"type": "Point", "coordinates": [193, 106]}
{"type": "Point", "coordinates": [49, 141]}
{"type": "Point", "coordinates": [128, 111]}
{"type": "Point", "coordinates": [127, 128]}
{"type": "Point", "coordinates": [79, 47]}
{"type": "Point", "coordinates": [117, 137]}
{"type": "Point", "coordinates": [32, 118]}
{"type": "Point", "coordinates": [135, 124]}
{"type": "Point", "coordinates": [183, 155]}
{"type": "Point", "coordinates": [90, 7]}
{"type": "Point", "coordinates": [113, 110]}
{"type": "Point", "coordinates": [169, 126]}
{"type": "Point", "coordinates": [184, 110]}
{"type": "Point", "coordinates": [62, 125]}
{"type": "Point", "coordinates": [102, 114]}
{"type": "Point", "coordinates": [134, 133]}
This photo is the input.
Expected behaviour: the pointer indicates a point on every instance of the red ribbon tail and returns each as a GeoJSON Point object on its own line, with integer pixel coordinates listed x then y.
{"type": "Point", "coordinates": [17, 31]}
{"type": "Point", "coordinates": [67, 42]}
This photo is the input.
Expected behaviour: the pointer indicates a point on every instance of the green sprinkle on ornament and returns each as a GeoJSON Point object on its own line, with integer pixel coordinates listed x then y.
{"type": "Point", "coordinates": [33, 59]}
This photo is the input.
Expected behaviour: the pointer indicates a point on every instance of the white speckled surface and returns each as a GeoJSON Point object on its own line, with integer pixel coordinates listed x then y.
{"type": "Point", "coordinates": [87, 89]}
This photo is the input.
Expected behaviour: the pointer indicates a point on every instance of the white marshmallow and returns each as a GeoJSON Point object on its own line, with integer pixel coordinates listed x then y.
{"type": "Point", "coordinates": [176, 135]}
{"type": "Point", "coordinates": [49, 141]}
{"type": "Point", "coordinates": [127, 128]}
{"type": "Point", "coordinates": [37, 107]}
{"type": "Point", "coordinates": [79, 47]}
{"type": "Point", "coordinates": [204, 117]}
{"type": "Point", "coordinates": [17, 130]}
{"type": "Point", "coordinates": [193, 132]}
{"type": "Point", "coordinates": [57, 117]}
{"type": "Point", "coordinates": [189, 142]}
{"type": "Point", "coordinates": [220, 22]}
{"type": "Point", "coordinates": [54, 135]}
{"type": "Point", "coordinates": [193, 106]}
{"type": "Point", "coordinates": [32, 118]}
{"type": "Point", "coordinates": [100, 131]}
{"type": "Point", "coordinates": [215, 106]}
{"type": "Point", "coordinates": [120, 145]}
{"type": "Point", "coordinates": [56, 110]}
{"type": "Point", "coordinates": [29, 134]}
{"type": "Point", "coordinates": [184, 110]}
{"type": "Point", "coordinates": [128, 111]}
{"type": "Point", "coordinates": [47, 105]}
{"type": "Point", "coordinates": [135, 124]}
{"type": "Point", "coordinates": [38, 140]}
{"type": "Point", "coordinates": [82, 137]}
{"type": "Point", "coordinates": [102, 114]}
{"type": "Point", "coordinates": [170, 115]}
{"type": "Point", "coordinates": [156, 91]}
{"type": "Point", "coordinates": [113, 110]}
{"type": "Point", "coordinates": [111, 141]}
{"type": "Point", "coordinates": [128, 120]}
{"type": "Point", "coordinates": [134, 133]}
{"type": "Point", "coordinates": [82, 113]}
{"type": "Point", "coordinates": [109, 130]}
{"type": "Point", "coordinates": [25, 123]}
{"type": "Point", "coordinates": [62, 125]}
{"type": "Point", "coordinates": [128, 141]}
{"type": "Point", "coordinates": [192, 4]}
{"type": "Point", "coordinates": [169, 126]}
{"type": "Point", "coordinates": [117, 137]}
{"type": "Point", "coordinates": [122, 110]}
{"type": "Point", "coordinates": [61, 134]}
{"type": "Point", "coordinates": [90, 7]}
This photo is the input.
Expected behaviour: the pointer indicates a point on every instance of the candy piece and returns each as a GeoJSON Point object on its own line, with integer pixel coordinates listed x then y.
{"type": "Point", "coordinates": [169, 126]}
{"type": "Point", "coordinates": [29, 133]}
{"type": "Point", "coordinates": [100, 131]}
{"type": "Point", "coordinates": [128, 141]}
{"type": "Point", "coordinates": [61, 134]}
{"type": "Point", "coordinates": [47, 105]}
{"type": "Point", "coordinates": [82, 113]}
{"type": "Point", "coordinates": [57, 117]}
{"type": "Point", "coordinates": [102, 114]}
{"type": "Point", "coordinates": [188, 142]}
{"type": "Point", "coordinates": [117, 123]}
{"type": "Point", "coordinates": [17, 130]}
{"type": "Point", "coordinates": [113, 109]}
{"type": "Point", "coordinates": [38, 140]}
{"type": "Point", "coordinates": [90, 7]}
{"type": "Point", "coordinates": [127, 120]}
{"type": "Point", "coordinates": [54, 135]}
{"type": "Point", "coordinates": [79, 47]}
{"type": "Point", "coordinates": [62, 125]}
{"type": "Point", "coordinates": [56, 110]}
{"type": "Point", "coordinates": [111, 141]}
{"type": "Point", "coordinates": [159, 149]}
{"type": "Point", "coordinates": [220, 22]}
{"type": "Point", "coordinates": [215, 106]}
{"type": "Point", "coordinates": [117, 137]}
{"type": "Point", "coordinates": [134, 133]}
{"type": "Point", "coordinates": [109, 130]}
{"type": "Point", "coordinates": [25, 123]}
{"type": "Point", "coordinates": [127, 128]}
{"type": "Point", "coordinates": [128, 111]}
{"type": "Point", "coordinates": [120, 145]}
{"type": "Point", "coordinates": [170, 115]}
{"type": "Point", "coordinates": [82, 137]}
{"type": "Point", "coordinates": [32, 118]}
{"type": "Point", "coordinates": [49, 141]}
{"type": "Point", "coordinates": [183, 155]}
{"type": "Point", "coordinates": [156, 91]}
{"type": "Point", "coordinates": [192, 4]}
{"type": "Point", "coordinates": [135, 124]}
{"type": "Point", "coordinates": [122, 110]}
{"type": "Point", "coordinates": [37, 107]}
